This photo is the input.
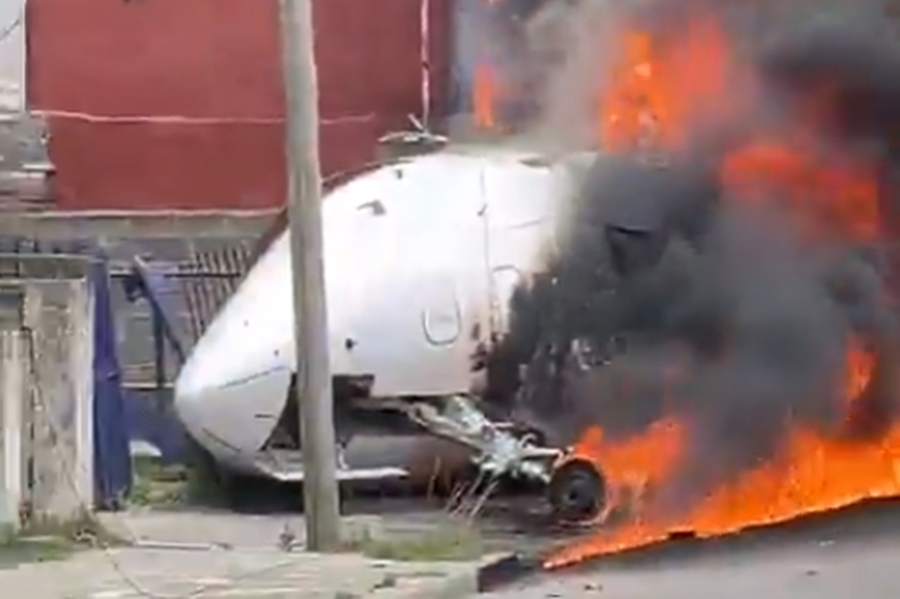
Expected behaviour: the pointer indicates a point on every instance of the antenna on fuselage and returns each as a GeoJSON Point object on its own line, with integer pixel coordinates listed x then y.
{"type": "Point", "coordinates": [413, 142]}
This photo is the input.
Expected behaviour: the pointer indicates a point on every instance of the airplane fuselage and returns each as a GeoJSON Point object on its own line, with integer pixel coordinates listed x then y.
{"type": "Point", "coordinates": [420, 260]}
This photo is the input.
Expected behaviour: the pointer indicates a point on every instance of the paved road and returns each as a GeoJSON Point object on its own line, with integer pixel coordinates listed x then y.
{"type": "Point", "coordinates": [853, 554]}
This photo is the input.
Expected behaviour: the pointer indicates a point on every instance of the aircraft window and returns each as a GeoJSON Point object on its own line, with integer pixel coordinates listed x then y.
{"type": "Point", "coordinates": [375, 206]}
{"type": "Point", "coordinates": [440, 316]}
{"type": "Point", "coordinates": [537, 162]}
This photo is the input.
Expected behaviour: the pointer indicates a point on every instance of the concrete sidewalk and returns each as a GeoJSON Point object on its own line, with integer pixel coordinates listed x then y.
{"type": "Point", "coordinates": [227, 529]}
{"type": "Point", "coordinates": [180, 555]}
{"type": "Point", "coordinates": [133, 573]}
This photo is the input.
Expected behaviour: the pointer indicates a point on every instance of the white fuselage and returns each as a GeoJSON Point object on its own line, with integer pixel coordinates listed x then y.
{"type": "Point", "coordinates": [420, 260]}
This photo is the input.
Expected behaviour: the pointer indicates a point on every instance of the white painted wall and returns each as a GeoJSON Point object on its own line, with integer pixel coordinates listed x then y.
{"type": "Point", "coordinates": [12, 55]}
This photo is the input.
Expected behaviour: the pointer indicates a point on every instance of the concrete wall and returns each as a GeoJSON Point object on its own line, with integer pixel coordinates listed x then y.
{"type": "Point", "coordinates": [60, 318]}
{"type": "Point", "coordinates": [23, 159]}
{"type": "Point", "coordinates": [13, 399]}
{"type": "Point", "coordinates": [12, 55]}
{"type": "Point", "coordinates": [46, 370]}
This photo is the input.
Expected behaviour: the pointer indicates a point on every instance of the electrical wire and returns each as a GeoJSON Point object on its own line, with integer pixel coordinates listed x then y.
{"type": "Point", "coordinates": [55, 430]}
{"type": "Point", "coordinates": [160, 119]}
{"type": "Point", "coordinates": [178, 119]}
{"type": "Point", "coordinates": [12, 26]}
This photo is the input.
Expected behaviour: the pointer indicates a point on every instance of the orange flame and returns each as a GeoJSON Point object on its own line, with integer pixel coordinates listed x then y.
{"type": "Point", "coordinates": [812, 474]}
{"type": "Point", "coordinates": [485, 96]}
{"type": "Point", "coordinates": [662, 89]}
{"type": "Point", "coordinates": [654, 96]}
{"type": "Point", "coordinates": [823, 193]}
{"type": "Point", "coordinates": [860, 366]}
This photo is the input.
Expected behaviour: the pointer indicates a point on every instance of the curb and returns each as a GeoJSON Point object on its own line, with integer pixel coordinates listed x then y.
{"type": "Point", "coordinates": [506, 569]}
{"type": "Point", "coordinates": [486, 574]}
{"type": "Point", "coordinates": [456, 586]}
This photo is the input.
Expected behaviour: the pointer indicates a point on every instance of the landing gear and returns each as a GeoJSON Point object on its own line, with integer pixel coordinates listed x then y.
{"type": "Point", "coordinates": [496, 450]}
{"type": "Point", "coordinates": [577, 491]}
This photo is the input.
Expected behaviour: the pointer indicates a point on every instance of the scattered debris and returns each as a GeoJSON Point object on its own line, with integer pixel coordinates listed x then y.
{"type": "Point", "coordinates": [287, 538]}
{"type": "Point", "coordinates": [179, 546]}
{"type": "Point", "coordinates": [388, 581]}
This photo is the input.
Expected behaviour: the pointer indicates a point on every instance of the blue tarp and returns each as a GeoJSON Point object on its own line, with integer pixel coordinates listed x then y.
{"type": "Point", "coordinates": [112, 457]}
{"type": "Point", "coordinates": [150, 281]}
{"type": "Point", "coordinates": [121, 416]}
{"type": "Point", "coordinates": [151, 418]}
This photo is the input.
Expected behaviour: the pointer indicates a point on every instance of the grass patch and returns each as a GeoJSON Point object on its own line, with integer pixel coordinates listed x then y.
{"type": "Point", "coordinates": [202, 484]}
{"type": "Point", "coordinates": [23, 550]}
{"type": "Point", "coordinates": [442, 545]}
{"type": "Point", "coordinates": [84, 530]}
{"type": "Point", "coordinates": [44, 539]}
{"type": "Point", "coordinates": [156, 484]}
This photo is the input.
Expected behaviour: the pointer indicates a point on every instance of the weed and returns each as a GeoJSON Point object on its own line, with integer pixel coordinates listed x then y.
{"type": "Point", "coordinates": [49, 539]}
{"type": "Point", "coordinates": [83, 529]}
{"type": "Point", "coordinates": [445, 544]}
{"type": "Point", "coordinates": [157, 484]}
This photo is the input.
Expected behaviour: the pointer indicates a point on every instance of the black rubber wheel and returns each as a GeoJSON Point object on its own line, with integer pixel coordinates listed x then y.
{"type": "Point", "coordinates": [577, 491]}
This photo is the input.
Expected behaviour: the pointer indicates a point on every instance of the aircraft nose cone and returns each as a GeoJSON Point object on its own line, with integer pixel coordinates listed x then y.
{"type": "Point", "coordinates": [229, 395]}
{"type": "Point", "coordinates": [188, 383]}
{"type": "Point", "coordinates": [228, 353]}
{"type": "Point", "coordinates": [195, 382]}
{"type": "Point", "coordinates": [233, 386]}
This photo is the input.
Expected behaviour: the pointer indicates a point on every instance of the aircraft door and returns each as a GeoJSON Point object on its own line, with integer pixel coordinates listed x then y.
{"type": "Point", "coordinates": [424, 266]}
{"type": "Point", "coordinates": [521, 209]}
{"type": "Point", "coordinates": [441, 318]}
{"type": "Point", "coordinates": [504, 280]}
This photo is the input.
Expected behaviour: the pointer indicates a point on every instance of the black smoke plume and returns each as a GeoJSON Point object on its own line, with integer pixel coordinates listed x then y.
{"type": "Point", "coordinates": [659, 271]}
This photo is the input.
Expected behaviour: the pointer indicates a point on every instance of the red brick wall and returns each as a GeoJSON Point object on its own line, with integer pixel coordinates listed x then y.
{"type": "Point", "coordinates": [218, 66]}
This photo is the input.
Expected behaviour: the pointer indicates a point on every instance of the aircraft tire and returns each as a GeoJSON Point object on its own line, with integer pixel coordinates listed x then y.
{"type": "Point", "coordinates": [577, 491]}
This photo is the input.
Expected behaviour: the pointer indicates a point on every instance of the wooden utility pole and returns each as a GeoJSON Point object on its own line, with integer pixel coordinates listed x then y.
{"type": "Point", "coordinates": [314, 392]}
